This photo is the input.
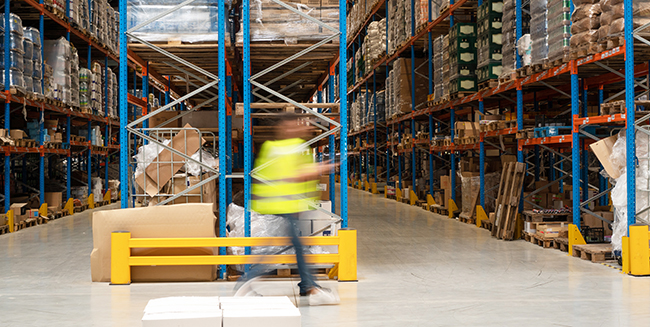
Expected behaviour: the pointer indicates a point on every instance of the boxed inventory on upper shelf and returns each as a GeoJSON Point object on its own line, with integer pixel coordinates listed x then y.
{"type": "Point", "coordinates": [399, 88]}
{"type": "Point", "coordinates": [271, 22]}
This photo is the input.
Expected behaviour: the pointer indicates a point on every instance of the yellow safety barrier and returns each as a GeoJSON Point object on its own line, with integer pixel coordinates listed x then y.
{"type": "Point", "coordinates": [91, 201]}
{"type": "Point", "coordinates": [69, 206]}
{"type": "Point", "coordinates": [10, 221]}
{"type": "Point", "coordinates": [636, 252]}
{"type": "Point", "coordinates": [413, 198]}
{"type": "Point", "coordinates": [373, 188]}
{"type": "Point", "coordinates": [575, 238]}
{"type": "Point", "coordinates": [386, 191]}
{"type": "Point", "coordinates": [122, 260]}
{"type": "Point", "coordinates": [398, 195]}
{"type": "Point", "coordinates": [366, 186]}
{"type": "Point", "coordinates": [107, 196]}
{"type": "Point", "coordinates": [452, 208]}
{"type": "Point", "coordinates": [480, 215]}
{"type": "Point", "coordinates": [430, 200]}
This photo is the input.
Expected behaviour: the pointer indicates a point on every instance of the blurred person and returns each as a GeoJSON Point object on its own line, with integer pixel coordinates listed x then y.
{"type": "Point", "coordinates": [285, 182]}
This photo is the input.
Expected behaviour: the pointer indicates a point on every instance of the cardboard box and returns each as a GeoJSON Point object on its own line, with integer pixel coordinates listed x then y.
{"type": "Point", "coordinates": [3, 132]}
{"type": "Point", "coordinates": [51, 124]}
{"type": "Point", "coordinates": [182, 182]}
{"type": "Point", "coordinates": [20, 211]}
{"type": "Point", "coordinates": [603, 150]}
{"type": "Point", "coordinates": [57, 138]}
{"type": "Point", "coordinates": [323, 187]}
{"type": "Point", "coordinates": [492, 152]}
{"type": "Point", "coordinates": [181, 220]}
{"type": "Point", "coordinates": [54, 200]}
{"type": "Point", "coordinates": [164, 116]}
{"type": "Point", "coordinates": [187, 142]}
{"type": "Point", "coordinates": [202, 119]}
{"type": "Point", "coordinates": [467, 129]}
{"type": "Point", "coordinates": [594, 222]}
{"type": "Point", "coordinates": [18, 134]}
{"type": "Point", "coordinates": [445, 184]}
{"type": "Point", "coordinates": [551, 230]}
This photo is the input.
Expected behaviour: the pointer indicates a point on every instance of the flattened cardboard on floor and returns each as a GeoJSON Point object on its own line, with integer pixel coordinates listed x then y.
{"type": "Point", "coordinates": [180, 220]}
{"type": "Point", "coordinates": [158, 174]}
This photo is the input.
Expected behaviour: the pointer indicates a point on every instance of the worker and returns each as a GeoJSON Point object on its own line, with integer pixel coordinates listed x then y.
{"type": "Point", "coordinates": [285, 184]}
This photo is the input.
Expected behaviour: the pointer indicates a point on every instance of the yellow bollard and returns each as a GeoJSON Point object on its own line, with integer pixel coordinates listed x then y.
{"type": "Point", "coordinates": [42, 211]}
{"type": "Point", "coordinates": [625, 254]}
{"type": "Point", "coordinates": [10, 221]}
{"type": "Point", "coordinates": [69, 206]}
{"type": "Point", "coordinates": [347, 255]}
{"type": "Point", "coordinates": [120, 253]}
{"type": "Point", "coordinates": [107, 196]}
{"type": "Point", "coordinates": [91, 201]}
{"type": "Point", "coordinates": [480, 215]}
{"type": "Point", "coordinates": [398, 195]}
{"type": "Point", "coordinates": [386, 191]}
{"type": "Point", "coordinates": [575, 238]}
{"type": "Point", "coordinates": [413, 198]}
{"type": "Point", "coordinates": [452, 208]}
{"type": "Point", "coordinates": [373, 188]}
{"type": "Point", "coordinates": [639, 252]}
{"type": "Point", "coordinates": [430, 200]}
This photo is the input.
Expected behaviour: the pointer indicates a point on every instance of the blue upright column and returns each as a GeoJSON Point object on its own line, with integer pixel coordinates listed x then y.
{"type": "Point", "coordinates": [399, 155]}
{"type": "Point", "coordinates": [89, 159]}
{"type": "Point", "coordinates": [430, 55]}
{"type": "Point", "coordinates": [68, 179]}
{"type": "Point", "coordinates": [575, 151]}
{"type": "Point", "coordinates": [452, 122]}
{"type": "Point", "coordinates": [221, 57]}
{"type": "Point", "coordinates": [629, 104]}
{"type": "Point", "coordinates": [602, 181]}
{"type": "Point", "coordinates": [374, 129]}
{"type": "Point", "coordinates": [124, 118]}
{"type": "Point", "coordinates": [332, 145]}
{"type": "Point", "coordinates": [481, 108]}
{"type": "Point", "coordinates": [41, 159]}
{"type": "Point", "coordinates": [413, 166]}
{"type": "Point", "coordinates": [7, 52]}
{"type": "Point", "coordinates": [584, 172]}
{"type": "Point", "coordinates": [343, 88]}
{"type": "Point", "coordinates": [520, 96]}
{"type": "Point", "coordinates": [106, 126]}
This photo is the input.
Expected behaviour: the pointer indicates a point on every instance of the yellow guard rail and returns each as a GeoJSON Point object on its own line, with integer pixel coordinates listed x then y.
{"type": "Point", "coordinates": [636, 251]}
{"type": "Point", "coordinates": [122, 260]}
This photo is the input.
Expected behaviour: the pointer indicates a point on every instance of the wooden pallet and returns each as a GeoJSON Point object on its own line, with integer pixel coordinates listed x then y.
{"type": "Point", "coordinates": [489, 84]}
{"type": "Point", "coordinates": [439, 210]}
{"type": "Point", "coordinates": [459, 95]}
{"type": "Point", "coordinates": [531, 216]}
{"type": "Point", "coordinates": [80, 208]}
{"type": "Point", "coordinates": [555, 63]}
{"type": "Point", "coordinates": [52, 145]}
{"type": "Point", "coordinates": [612, 108]}
{"type": "Point", "coordinates": [77, 138]}
{"type": "Point", "coordinates": [507, 204]}
{"type": "Point", "coordinates": [562, 244]}
{"type": "Point", "coordinates": [507, 78]}
{"type": "Point", "coordinates": [593, 252]}
{"type": "Point", "coordinates": [25, 143]}
{"type": "Point", "coordinates": [42, 220]}
{"type": "Point", "coordinates": [487, 224]}
{"type": "Point", "coordinates": [467, 220]}
{"type": "Point", "coordinates": [4, 229]}
{"type": "Point", "coordinates": [544, 242]}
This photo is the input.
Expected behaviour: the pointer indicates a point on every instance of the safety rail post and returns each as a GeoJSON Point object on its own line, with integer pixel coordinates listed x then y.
{"type": "Point", "coordinates": [630, 132]}
{"type": "Point", "coordinates": [575, 150]}
{"type": "Point", "coordinates": [123, 114]}
{"type": "Point", "coordinates": [636, 253]}
{"type": "Point", "coordinates": [7, 52]}
{"type": "Point", "coordinates": [120, 253]}
{"type": "Point", "coordinates": [347, 255]}
{"type": "Point", "coordinates": [343, 89]}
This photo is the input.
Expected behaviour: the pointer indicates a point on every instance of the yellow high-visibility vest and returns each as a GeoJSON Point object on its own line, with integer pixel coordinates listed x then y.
{"type": "Point", "coordinates": [278, 189]}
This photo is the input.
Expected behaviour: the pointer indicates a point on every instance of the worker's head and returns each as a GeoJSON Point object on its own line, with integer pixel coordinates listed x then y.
{"type": "Point", "coordinates": [289, 126]}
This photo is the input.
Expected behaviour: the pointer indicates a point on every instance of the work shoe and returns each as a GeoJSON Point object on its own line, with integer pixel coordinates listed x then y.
{"type": "Point", "coordinates": [323, 296]}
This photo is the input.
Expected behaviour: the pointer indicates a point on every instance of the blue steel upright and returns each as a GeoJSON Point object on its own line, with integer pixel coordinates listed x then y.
{"type": "Point", "coordinates": [343, 89]}
{"type": "Point", "coordinates": [520, 95]}
{"type": "Point", "coordinates": [481, 109]}
{"type": "Point", "coordinates": [430, 55]}
{"type": "Point", "coordinates": [221, 54]}
{"type": "Point", "coordinates": [630, 132]}
{"type": "Point", "coordinates": [124, 118]}
{"type": "Point", "coordinates": [332, 139]}
{"type": "Point", "coordinates": [7, 51]}
{"type": "Point", "coordinates": [413, 166]}
{"type": "Point", "coordinates": [575, 149]}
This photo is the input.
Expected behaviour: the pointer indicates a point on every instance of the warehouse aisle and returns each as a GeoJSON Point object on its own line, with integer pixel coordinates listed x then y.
{"type": "Point", "coordinates": [414, 268]}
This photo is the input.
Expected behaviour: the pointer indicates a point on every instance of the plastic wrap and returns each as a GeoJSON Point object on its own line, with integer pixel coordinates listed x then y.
{"type": "Point", "coordinates": [586, 11]}
{"type": "Point", "coordinates": [261, 226]}
{"type": "Point", "coordinates": [619, 194]}
{"type": "Point", "coordinates": [195, 22]}
{"type": "Point", "coordinates": [204, 157]}
{"type": "Point", "coordinates": [59, 55]}
{"type": "Point", "coordinates": [375, 42]}
{"type": "Point", "coordinates": [524, 47]}
{"type": "Point", "coordinates": [584, 38]}
{"type": "Point", "coordinates": [147, 154]}
{"type": "Point", "coordinates": [538, 31]}
{"type": "Point", "coordinates": [271, 22]}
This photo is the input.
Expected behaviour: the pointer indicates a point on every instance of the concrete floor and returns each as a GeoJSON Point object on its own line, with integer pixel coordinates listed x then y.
{"type": "Point", "coordinates": [415, 268]}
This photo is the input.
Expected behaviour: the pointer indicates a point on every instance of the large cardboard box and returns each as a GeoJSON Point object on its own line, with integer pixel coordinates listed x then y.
{"type": "Point", "coordinates": [164, 116]}
{"type": "Point", "coordinates": [594, 222]}
{"type": "Point", "coordinates": [53, 200]}
{"type": "Point", "coordinates": [467, 129]}
{"type": "Point", "coordinates": [603, 150]}
{"type": "Point", "coordinates": [187, 142]}
{"type": "Point", "coordinates": [181, 220]}
{"type": "Point", "coordinates": [445, 185]}
{"type": "Point", "coordinates": [323, 187]}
